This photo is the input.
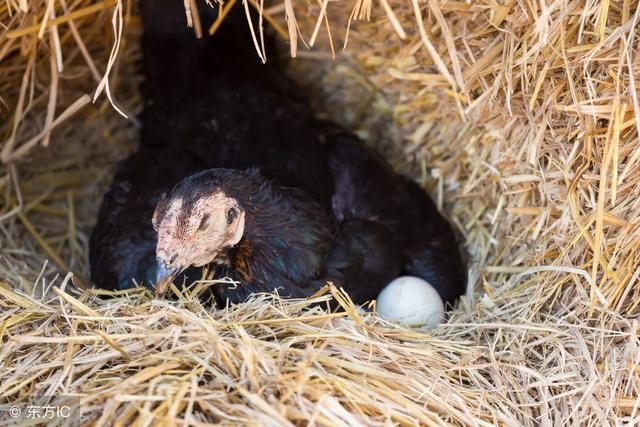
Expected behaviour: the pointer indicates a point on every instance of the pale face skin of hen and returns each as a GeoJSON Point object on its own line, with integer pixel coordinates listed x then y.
{"type": "Point", "coordinates": [194, 237]}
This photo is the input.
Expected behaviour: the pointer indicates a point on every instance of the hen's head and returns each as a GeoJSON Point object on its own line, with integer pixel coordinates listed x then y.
{"type": "Point", "coordinates": [197, 220]}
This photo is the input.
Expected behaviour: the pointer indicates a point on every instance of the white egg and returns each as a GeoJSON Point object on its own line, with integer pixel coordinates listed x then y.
{"type": "Point", "coordinates": [411, 301]}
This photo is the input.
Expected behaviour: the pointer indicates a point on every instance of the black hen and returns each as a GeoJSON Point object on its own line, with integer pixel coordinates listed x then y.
{"type": "Point", "coordinates": [242, 177]}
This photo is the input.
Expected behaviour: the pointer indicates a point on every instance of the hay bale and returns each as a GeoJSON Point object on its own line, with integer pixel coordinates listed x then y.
{"type": "Point", "coordinates": [521, 118]}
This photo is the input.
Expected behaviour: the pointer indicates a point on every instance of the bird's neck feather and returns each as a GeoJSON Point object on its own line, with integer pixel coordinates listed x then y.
{"type": "Point", "coordinates": [287, 234]}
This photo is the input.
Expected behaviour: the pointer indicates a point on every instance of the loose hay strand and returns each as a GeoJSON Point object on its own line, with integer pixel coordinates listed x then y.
{"type": "Point", "coordinates": [89, 10]}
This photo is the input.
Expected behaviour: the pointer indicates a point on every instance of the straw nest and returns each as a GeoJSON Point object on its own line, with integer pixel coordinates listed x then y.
{"type": "Point", "coordinates": [522, 119]}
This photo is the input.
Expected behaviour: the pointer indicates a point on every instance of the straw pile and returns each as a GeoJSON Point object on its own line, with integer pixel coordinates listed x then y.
{"type": "Point", "coordinates": [522, 118]}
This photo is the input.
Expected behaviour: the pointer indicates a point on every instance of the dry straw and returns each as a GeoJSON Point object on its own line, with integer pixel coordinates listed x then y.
{"type": "Point", "coordinates": [521, 117]}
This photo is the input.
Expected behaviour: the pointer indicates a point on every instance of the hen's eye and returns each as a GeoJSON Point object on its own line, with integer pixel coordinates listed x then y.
{"type": "Point", "coordinates": [204, 223]}
{"type": "Point", "coordinates": [232, 213]}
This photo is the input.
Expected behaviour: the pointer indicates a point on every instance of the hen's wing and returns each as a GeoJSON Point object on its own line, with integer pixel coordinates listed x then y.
{"type": "Point", "coordinates": [363, 259]}
{"type": "Point", "coordinates": [366, 188]}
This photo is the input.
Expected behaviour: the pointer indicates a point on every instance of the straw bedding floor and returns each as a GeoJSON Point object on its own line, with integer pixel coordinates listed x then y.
{"type": "Point", "coordinates": [522, 119]}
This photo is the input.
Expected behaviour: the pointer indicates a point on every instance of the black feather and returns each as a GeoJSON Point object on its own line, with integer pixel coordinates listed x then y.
{"type": "Point", "coordinates": [322, 206]}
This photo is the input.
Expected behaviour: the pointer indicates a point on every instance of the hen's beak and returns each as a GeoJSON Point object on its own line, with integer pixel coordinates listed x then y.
{"type": "Point", "coordinates": [164, 277]}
